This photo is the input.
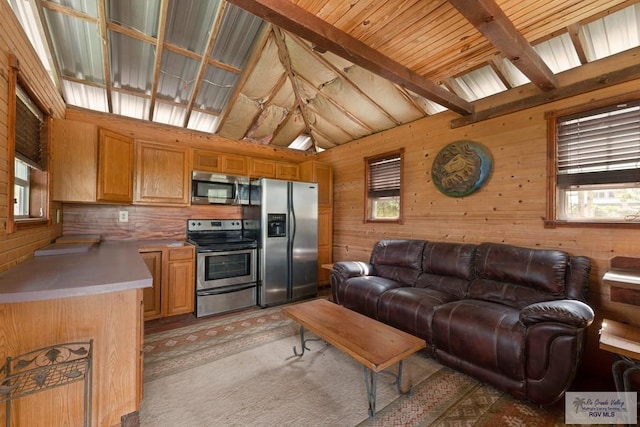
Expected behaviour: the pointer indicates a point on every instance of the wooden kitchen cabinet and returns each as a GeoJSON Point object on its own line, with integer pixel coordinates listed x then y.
{"type": "Point", "coordinates": [152, 297]}
{"type": "Point", "coordinates": [289, 171]}
{"type": "Point", "coordinates": [181, 281]}
{"type": "Point", "coordinates": [162, 175]}
{"type": "Point", "coordinates": [211, 161]}
{"type": "Point", "coordinates": [322, 173]}
{"type": "Point", "coordinates": [173, 271]}
{"type": "Point", "coordinates": [262, 168]}
{"type": "Point", "coordinates": [90, 164]}
{"type": "Point", "coordinates": [74, 161]}
{"type": "Point", "coordinates": [115, 167]}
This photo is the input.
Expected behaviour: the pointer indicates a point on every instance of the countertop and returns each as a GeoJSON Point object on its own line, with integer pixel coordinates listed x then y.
{"type": "Point", "coordinates": [109, 266]}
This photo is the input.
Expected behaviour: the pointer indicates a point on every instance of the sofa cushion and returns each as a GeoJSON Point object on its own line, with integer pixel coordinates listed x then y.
{"type": "Point", "coordinates": [398, 260]}
{"type": "Point", "coordinates": [518, 276]}
{"type": "Point", "coordinates": [486, 334]}
{"type": "Point", "coordinates": [411, 309]}
{"type": "Point", "coordinates": [447, 267]}
{"type": "Point", "coordinates": [361, 294]}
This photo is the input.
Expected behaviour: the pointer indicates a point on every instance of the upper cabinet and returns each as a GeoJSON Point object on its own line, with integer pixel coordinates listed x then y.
{"type": "Point", "coordinates": [163, 175]}
{"type": "Point", "coordinates": [115, 168]}
{"type": "Point", "coordinates": [321, 173]}
{"type": "Point", "coordinates": [211, 161]}
{"type": "Point", "coordinates": [90, 165]}
{"type": "Point", "coordinates": [262, 168]}
{"type": "Point", "coordinates": [74, 166]}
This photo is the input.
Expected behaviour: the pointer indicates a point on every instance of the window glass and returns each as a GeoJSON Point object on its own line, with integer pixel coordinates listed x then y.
{"type": "Point", "coordinates": [21, 189]}
{"type": "Point", "coordinates": [384, 184]}
{"type": "Point", "coordinates": [598, 165]}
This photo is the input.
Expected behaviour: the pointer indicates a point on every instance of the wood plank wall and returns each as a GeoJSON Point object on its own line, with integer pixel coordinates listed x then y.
{"type": "Point", "coordinates": [510, 208]}
{"type": "Point", "coordinates": [18, 246]}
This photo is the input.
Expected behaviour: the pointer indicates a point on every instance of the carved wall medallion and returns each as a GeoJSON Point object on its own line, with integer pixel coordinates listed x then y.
{"type": "Point", "coordinates": [461, 168]}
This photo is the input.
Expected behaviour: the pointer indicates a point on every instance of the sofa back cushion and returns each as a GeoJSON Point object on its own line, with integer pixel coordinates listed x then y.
{"type": "Point", "coordinates": [447, 267]}
{"type": "Point", "coordinates": [398, 260]}
{"type": "Point", "coordinates": [518, 276]}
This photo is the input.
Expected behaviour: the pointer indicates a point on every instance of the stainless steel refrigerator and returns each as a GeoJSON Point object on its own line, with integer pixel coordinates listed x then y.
{"type": "Point", "coordinates": [287, 240]}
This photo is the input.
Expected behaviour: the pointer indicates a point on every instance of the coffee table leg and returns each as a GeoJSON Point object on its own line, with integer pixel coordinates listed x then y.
{"type": "Point", "coordinates": [371, 383]}
{"type": "Point", "coordinates": [303, 343]}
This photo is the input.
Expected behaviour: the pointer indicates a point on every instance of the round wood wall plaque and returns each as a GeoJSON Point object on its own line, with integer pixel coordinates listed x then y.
{"type": "Point", "coordinates": [461, 168]}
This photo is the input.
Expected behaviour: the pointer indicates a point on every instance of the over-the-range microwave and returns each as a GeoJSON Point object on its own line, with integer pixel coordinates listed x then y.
{"type": "Point", "coordinates": [212, 188]}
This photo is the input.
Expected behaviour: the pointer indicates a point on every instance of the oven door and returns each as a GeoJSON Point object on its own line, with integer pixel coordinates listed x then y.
{"type": "Point", "coordinates": [220, 269]}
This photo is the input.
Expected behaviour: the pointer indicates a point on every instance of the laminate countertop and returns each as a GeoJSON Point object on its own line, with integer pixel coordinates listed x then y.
{"type": "Point", "coordinates": [110, 266]}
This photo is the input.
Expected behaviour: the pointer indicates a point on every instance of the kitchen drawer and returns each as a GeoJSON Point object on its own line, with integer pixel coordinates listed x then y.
{"type": "Point", "coordinates": [181, 254]}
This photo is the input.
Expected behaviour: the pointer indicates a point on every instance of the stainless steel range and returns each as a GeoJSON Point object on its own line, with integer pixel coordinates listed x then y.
{"type": "Point", "coordinates": [226, 264]}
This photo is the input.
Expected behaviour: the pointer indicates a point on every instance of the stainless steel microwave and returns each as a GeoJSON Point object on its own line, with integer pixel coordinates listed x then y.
{"type": "Point", "coordinates": [212, 188]}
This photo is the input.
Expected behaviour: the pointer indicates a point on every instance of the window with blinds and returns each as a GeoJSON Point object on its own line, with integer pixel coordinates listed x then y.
{"type": "Point", "coordinates": [598, 164]}
{"type": "Point", "coordinates": [384, 185]}
{"type": "Point", "coordinates": [28, 134]}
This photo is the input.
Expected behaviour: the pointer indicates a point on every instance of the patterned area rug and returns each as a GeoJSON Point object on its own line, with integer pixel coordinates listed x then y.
{"type": "Point", "coordinates": [441, 396]}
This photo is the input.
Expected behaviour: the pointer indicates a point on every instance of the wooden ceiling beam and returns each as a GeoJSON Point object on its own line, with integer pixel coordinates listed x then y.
{"type": "Point", "coordinates": [494, 24]}
{"type": "Point", "coordinates": [297, 20]}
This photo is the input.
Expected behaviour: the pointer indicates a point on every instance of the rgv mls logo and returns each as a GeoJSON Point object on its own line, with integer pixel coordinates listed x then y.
{"type": "Point", "coordinates": [600, 408]}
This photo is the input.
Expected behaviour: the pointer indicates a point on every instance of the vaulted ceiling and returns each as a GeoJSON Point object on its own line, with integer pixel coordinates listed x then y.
{"type": "Point", "coordinates": [315, 74]}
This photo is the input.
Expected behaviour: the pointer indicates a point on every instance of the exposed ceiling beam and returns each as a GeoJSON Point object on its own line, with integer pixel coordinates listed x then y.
{"type": "Point", "coordinates": [283, 53]}
{"type": "Point", "coordinates": [297, 20]}
{"type": "Point", "coordinates": [162, 20]}
{"type": "Point", "coordinates": [494, 24]}
{"type": "Point", "coordinates": [106, 62]}
{"type": "Point", "coordinates": [202, 69]}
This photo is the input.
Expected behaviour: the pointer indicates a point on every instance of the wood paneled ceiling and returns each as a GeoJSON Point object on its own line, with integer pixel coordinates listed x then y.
{"type": "Point", "coordinates": [331, 71]}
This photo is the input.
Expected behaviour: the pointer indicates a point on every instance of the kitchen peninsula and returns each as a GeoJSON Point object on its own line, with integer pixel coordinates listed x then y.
{"type": "Point", "coordinates": [94, 293]}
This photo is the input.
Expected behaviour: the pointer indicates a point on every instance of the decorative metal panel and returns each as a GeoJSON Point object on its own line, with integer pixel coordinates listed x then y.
{"type": "Point", "coordinates": [177, 77]}
{"type": "Point", "coordinates": [480, 83]}
{"type": "Point", "coordinates": [203, 122]}
{"type": "Point", "coordinates": [89, 7]}
{"type": "Point", "coordinates": [236, 36]}
{"type": "Point", "coordinates": [128, 105]}
{"type": "Point", "coordinates": [139, 15]}
{"type": "Point", "coordinates": [169, 114]}
{"type": "Point", "coordinates": [189, 23]}
{"type": "Point", "coordinates": [85, 96]}
{"type": "Point", "coordinates": [558, 53]}
{"type": "Point", "coordinates": [77, 45]}
{"type": "Point", "coordinates": [132, 63]}
{"type": "Point", "coordinates": [612, 34]}
{"type": "Point", "coordinates": [216, 89]}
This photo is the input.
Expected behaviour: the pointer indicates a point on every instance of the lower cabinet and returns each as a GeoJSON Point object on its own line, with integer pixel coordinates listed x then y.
{"type": "Point", "coordinates": [173, 271]}
{"type": "Point", "coordinates": [151, 297]}
{"type": "Point", "coordinates": [181, 283]}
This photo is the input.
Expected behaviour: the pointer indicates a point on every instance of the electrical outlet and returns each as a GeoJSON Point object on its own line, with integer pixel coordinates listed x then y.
{"type": "Point", "coordinates": [123, 216]}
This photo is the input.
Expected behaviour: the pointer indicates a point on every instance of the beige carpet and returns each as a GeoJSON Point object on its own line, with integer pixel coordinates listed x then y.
{"type": "Point", "coordinates": [238, 371]}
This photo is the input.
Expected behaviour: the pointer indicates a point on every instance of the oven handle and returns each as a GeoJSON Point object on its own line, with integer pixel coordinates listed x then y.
{"type": "Point", "coordinates": [226, 290]}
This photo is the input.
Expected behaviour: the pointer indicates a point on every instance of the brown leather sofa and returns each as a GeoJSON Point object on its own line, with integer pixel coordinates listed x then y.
{"type": "Point", "coordinates": [509, 316]}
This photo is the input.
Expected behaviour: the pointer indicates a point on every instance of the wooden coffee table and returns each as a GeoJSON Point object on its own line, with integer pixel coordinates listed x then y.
{"type": "Point", "coordinates": [373, 344]}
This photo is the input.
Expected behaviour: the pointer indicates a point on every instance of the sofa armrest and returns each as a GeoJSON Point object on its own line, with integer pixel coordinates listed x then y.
{"type": "Point", "coordinates": [348, 269]}
{"type": "Point", "coordinates": [571, 312]}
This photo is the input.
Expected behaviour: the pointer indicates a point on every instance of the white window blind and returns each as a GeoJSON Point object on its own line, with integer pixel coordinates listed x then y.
{"type": "Point", "coordinates": [600, 146]}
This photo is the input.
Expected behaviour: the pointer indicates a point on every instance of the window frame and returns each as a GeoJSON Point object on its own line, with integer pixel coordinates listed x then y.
{"type": "Point", "coordinates": [367, 200]}
{"type": "Point", "coordinates": [15, 78]}
{"type": "Point", "coordinates": [551, 220]}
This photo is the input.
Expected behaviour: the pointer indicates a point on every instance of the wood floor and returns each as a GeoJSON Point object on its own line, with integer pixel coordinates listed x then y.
{"type": "Point", "coordinates": [173, 322]}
